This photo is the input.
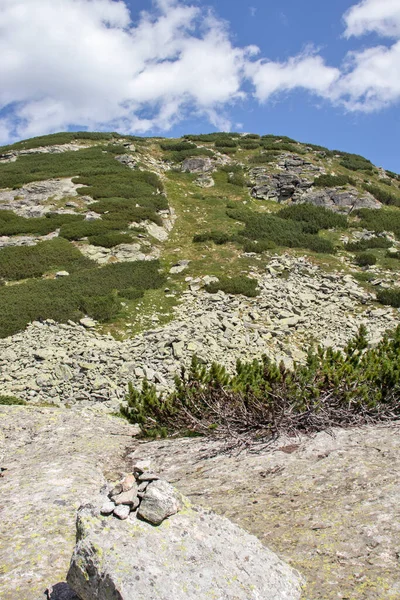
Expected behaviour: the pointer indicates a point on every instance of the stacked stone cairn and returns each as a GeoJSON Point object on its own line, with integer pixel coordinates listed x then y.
{"type": "Point", "coordinates": [144, 495]}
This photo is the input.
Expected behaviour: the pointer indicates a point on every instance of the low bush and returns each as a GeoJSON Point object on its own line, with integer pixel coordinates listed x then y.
{"type": "Point", "coordinates": [177, 146]}
{"type": "Point", "coordinates": [66, 137]}
{"type": "Point", "coordinates": [11, 401]}
{"type": "Point", "coordinates": [225, 143]}
{"type": "Point", "coordinates": [355, 162]}
{"type": "Point", "coordinates": [283, 232]}
{"type": "Point", "coordinates": [218, 237]}
{"type": "Point", "coordinates": [261, 400]}
{"type": "Point", "coordinates": [131, 293]}
{"type": "Point", "coordinates": [102, 308]}
{"type": "Point", "coordinates": [318, 216]}
{"type": "Point", "coordinates": [365, 259]}
{"type": "Point", "coordinates": [258, 247]}
{"type": "Point", "coordinates": [234, 285]}
{"type": "Point", "coordinates": [384, 196]}
{"type": "Point", "coordinates": [389, 297]}
{"type": "Point", "coordinates": [237, 179]}
{"type": "Point", "coordinates": [380, 220]}
{"type": "Point", "coordinates": [12, 224]}
{"type": "Point", "coordinates": [23, 262]}
{"type": "Point", "coordinates": [263, 158]}
{"type": "Point", "coordinates": [333, 181]}
{"type": "Point", "coordinates": [251, 136]}
{"type": "Point", "coordinates": [83, 229]}
{"type": "Point", "coordinates": [178, 157]}
{"type": "Point", "coordinates": [67, 298]}
{"type": "Point", "coordinates": [365, 244]}
{"type": "Point", "coordinates": [246, 145]}
{"type": "Point", "coordinates": [109, 240]}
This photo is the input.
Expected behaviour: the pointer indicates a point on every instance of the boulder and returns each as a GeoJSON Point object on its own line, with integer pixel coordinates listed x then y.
{"type": "Point", "coordinates": [195, 554]}
{"type": "Point", "coordinates": [205, 181]}
{"type": "Point", "coordinates": [197, 165]}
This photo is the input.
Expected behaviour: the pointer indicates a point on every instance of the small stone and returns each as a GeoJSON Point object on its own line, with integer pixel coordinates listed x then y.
{"type": "Point", "coordinates": [141, 466]}
{"type": "Point", "coordinates": [148, 477]}
{"type": "Point", "coordinates": [107, 508]}
{"type": "Point", "coordinates": [128, 482]}
{"type": "Point", "coordinates": [129, 497]}
{"type": "Point", "coordinates": [116, 490]}
{"type": "Point", "coordinates": [143, 486]}
{"type": "Point", "coordinates": [62, 274]}
{"type": "Point", "coordinates": [160, 501]}
{"type": "Point", "coordinates": [88, 323]}
{"type": "Point", "coordinates": [122, 511]}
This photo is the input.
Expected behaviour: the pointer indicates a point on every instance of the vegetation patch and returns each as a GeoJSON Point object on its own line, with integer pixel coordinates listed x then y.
{"type": "Point", "coordinates": [23, 262]}
{"type": "Point", "coordinates": [355, 162]}
{"type": "Point", "coordinates": [316, 216]}
{"type": "Point", "coordinates": [65, 137]}
{"type": "Point", "coordinates": [365, 244]}
{"type": "Point", "coordinates": [11, 401]}
{"type": "Point", "coordinates": [109, 240]}
{"type": "Point", "coordinates": [365, 259]}
{"type": "Point", "coordinates": [384, 196]}
{"type": "Point", "coordinates": [333, 181]}
{"type": "Point", "coordinates": [390, 297]}
{"type": "Point", "coordinates": [379, 220]}
{"type": "Point", "coordinates": [69, 297]}
{"type": "Point", "coordinates": [356, 386]}
{"type": "Point", "coordinates": [12, 224]}
{"type": "Point", "coordinates": [234, 285]}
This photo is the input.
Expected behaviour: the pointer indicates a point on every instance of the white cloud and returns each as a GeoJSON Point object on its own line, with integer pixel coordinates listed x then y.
{"type": "Point", "coordinates": [381, 16]}
{"type": "Point", "coordinates": [305, 71]}
{"type": "Point", "coordinates": [82, 62]}
{"type": "Point", "coordinates": [85, 63]}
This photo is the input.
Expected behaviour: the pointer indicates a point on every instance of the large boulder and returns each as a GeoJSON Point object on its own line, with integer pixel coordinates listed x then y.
{"type": "Point", "coordinates": [194, 554]}
{"type": "Point", "coordinates": [197, 165]}
{"type": "Point", "coordinates": [340, 199]}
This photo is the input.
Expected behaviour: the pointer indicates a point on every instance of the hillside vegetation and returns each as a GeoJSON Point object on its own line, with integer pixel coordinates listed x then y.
{"type": "Point", "coordinates": [224, 230]}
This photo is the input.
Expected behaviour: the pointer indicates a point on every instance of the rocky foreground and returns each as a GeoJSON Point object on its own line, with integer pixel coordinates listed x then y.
{"type": "Point", "coordinates": [299, 304]}
{"type": "Point", "coordinates": [327, 505]}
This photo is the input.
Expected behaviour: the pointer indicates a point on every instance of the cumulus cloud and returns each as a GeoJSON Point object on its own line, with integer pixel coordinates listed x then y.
{"type": "Point", "coordinates": [85, 63]}
{"type": "Point", "coordinates": [305, 71]}
{"type": "Point", "coordinates": [381, 16]}
{"type": "Point", "coordinates": [82, 62]}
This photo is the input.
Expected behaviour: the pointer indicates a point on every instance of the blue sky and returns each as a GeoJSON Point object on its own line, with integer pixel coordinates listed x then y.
{"type": "Point", "coordinates": [322, 72]}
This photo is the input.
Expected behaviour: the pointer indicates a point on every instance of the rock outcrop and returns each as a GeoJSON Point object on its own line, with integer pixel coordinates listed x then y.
{"type": "Point", "coordinates": [194, 555]}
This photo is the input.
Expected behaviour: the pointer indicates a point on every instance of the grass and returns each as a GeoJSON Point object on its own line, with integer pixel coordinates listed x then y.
{"type": "Point", "coordinates": [11, 401]}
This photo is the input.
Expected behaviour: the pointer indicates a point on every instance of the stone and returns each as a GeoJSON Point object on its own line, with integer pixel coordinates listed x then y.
{"type": "Point", "coordinates": [146, 476]}
{"type": "Point", "coordinates": [128, 497]}
{"type": "Point", "coordinates": [205, 556]}
{"type": "Point", "coordinates": [197, 165]}
{"type": "Point", "coordinates": [159, 502]}
{"type": "Point", "coordinates": [62, 274]}
{"type": "Point", "coordinates": [205, 181]}
{"type": "Point", "coordinates": [128, 482]}
{"type": "Point", "coordinates": [122, 511]}
{"type": "Point", "coordinates": [107, 508]}
{"type": "Point", "coordinates": [88, 323]}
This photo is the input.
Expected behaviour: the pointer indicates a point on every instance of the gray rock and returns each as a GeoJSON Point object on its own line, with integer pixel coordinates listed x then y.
{"type": "Point", "coordinates": [88, 323]}
{"type": "Point", "coordinates": [197, 165]}
{"type": "Point", "coordinates": [122, 511]}
{"type": "Point", "coordinates": [160, 501]}
{"type": "Point", "coordinates": [196, 555]}
{"type": "Point", "coordinates": [205, 181]}
{"type": "Point", "coordinates": [129, 498]}
{"type": "Point", "coordinates": [107, 508]}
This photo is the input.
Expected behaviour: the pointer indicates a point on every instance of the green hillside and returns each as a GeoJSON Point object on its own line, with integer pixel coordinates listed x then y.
{"type": "Point", "coordinates": [266, 195]}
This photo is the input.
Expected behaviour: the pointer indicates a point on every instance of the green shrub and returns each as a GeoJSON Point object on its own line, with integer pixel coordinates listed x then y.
{"type": "Point", "coordinates": [178, 157]}
{"type": "Point", "coordinates": [63, 299]}
{"type": "Point", "coordinates": [333, 181]}
{"type": "Point", "coordinates": [178, 146]}
{"type": "Point", "coordinates": [225, 143]}
{"type": "Point", "coordinates": [365, 244]}
{"type": "Point", "coordinates": [365, 259]}
{"type": "Point", "coordinates": [379, 220]}
{"type": "Point", "coordinates": [355, 162]}
{"type": "Point", "coordinates": [101, 308]}
{"type": "Point", "coordinates": [283, 232]}
{"type": "Point", "coordinates": [131, 293]}
{"type": "Point", "coordinates": [319, 216]}
{"type": "Point", "coordinates": [22, 262]}
{"type": "Point", "coordinates": [237, 179]}
{"type": "Point", "coordinates": [249, 145]}
{"type": "Point", "coordinates": [82, 229]}
{"type": "Point", "coordinates": [218, 237]}
{"type": "Point", "coordinates": [389, 297]}
{"type": "Point", "coordinates": [263, 158]}
{"type": "Point", "coordinates": [383, 196]}
{"type": "Point", "coordinates": [258, 246]}
{"type": "Point", "coordinates": [67, 138]}
{"type": "Point", "coordinates": [11, 401]}
{"type": "Point", "coordinates": [261, 400]}
{"type": "Point", "coordinates": [251, 136]}
{"type": "Point", "coordinates": [109, 240]}
{"type": "Point", "coordinates": [234, 285]}
{"type": "Point", "coordinates": [12, 224]}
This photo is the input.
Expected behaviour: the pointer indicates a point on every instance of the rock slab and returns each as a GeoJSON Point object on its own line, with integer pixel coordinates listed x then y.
{"type": "Point", "coordinates": [193, 555]}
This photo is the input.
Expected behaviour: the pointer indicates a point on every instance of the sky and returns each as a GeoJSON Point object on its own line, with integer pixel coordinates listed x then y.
{"type": "Point", "coordinates": [321, 72]}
